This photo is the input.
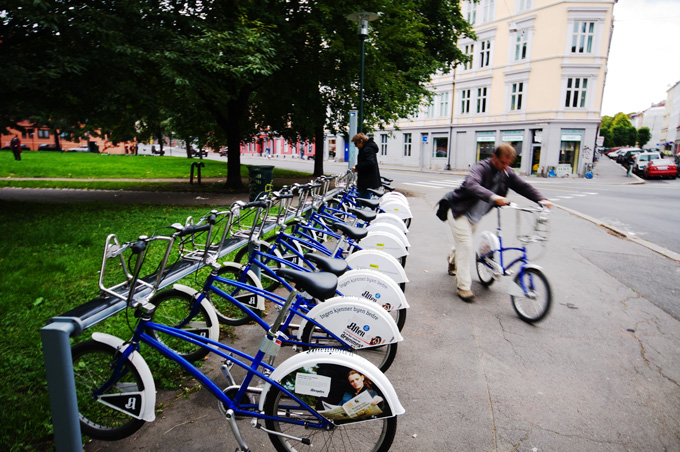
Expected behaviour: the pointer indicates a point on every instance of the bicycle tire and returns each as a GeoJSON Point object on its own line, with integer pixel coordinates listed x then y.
{"type": "Point", "coordinates": [92, 367]}
{"type": "Point", "coordinates": [227, 312]}
{"type": "Point", "coordinates": [381, 356]}
{"type": "Point", "coordinates": [172, 308]}
{"type": "Point", "coordinates": [484, 272]}
{"type": "Point", "coordinates": [533, 309]}
{"type": "Point", "coordinates": [378, 434]}
{"type": "Point", "coordinates": [399, 317]}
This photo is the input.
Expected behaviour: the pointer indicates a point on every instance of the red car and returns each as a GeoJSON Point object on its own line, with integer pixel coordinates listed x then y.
{"type": "Point", "coordinates": [660, 168]}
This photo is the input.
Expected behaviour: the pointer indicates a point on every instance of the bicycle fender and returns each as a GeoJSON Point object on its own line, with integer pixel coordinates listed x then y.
{"type": "Point", "coordinates": [383, 241]}
{"type": "Point", "coordinates": [392, 219]}
{"type": "Point", "coordinates": [323, 373]}
{"type": "Point", "coordinates": [379, 261]}
{"type": "Point", "coordinates": [373, 286]}
{"type": "Point", "coordinates": [394, 195]}
{"type": "Point", "coordinates": [386, 227]}
{"type": "Point", "coordinates": [399, 209]}
{"type": "Point", "coordinates": [148, 399]}
{"type": "Point", "coordinates": [258, 283]}
{"type": "Point", "coordinates": [488, 241]}
{"type": "Point", "coordinates": [357, 321]}
{"type": "Point", "coordinates": [214, 330]}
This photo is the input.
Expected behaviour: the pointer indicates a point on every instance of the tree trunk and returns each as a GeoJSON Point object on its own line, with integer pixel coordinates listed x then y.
{"type": "Point", "coordinates": [318, 156]}
{"type": "Point", "coordinates": [187, 143]}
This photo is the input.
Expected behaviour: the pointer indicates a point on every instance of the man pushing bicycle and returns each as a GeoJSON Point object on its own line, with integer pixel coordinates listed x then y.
{"type": "Point", "coordinates": [483, 188]}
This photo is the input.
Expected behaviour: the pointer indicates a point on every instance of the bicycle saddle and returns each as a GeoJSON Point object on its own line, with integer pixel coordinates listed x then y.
{"type": "Point", "coordinates": [318, 285]}
{"type": "Point", "coordinates": [363, 214]}
{"type": "Point", "coordinates": [378, 193]}
{"type": "Point", "coordinates": [370, 203]}
{"type": "Point", "coordinates": [328, 264]}
{"type": "Point", "coordinates": [352, 232]}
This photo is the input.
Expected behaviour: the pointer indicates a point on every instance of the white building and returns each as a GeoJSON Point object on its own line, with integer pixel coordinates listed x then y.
{"type": "Point", "coordinates": [536, 80]}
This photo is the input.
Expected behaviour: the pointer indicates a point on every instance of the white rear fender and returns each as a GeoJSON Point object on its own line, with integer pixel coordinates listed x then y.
{"type": "Point", "coordinates": [373, 286]}
{"type": "Point", "coordinates": [148, 399]}
{"type": "Point", "coordinates": [392, 219]}
{"type": "Point", "coordinates": [324, 373]}
{"type": "Point", "coordinates": [386, 227]}
{"type": "Point", "coordinates": [379, 261]}
{"type": "Point", "coordinates": [214, 328]}
{"type": "Point", "coordinates": [384, 241]}
{"type": "Point", "coordinates": [393, 195]}
{"type": "Point", "coordinates": [399, 209]}
{"type": "Point", "coordinates": [357, 321]}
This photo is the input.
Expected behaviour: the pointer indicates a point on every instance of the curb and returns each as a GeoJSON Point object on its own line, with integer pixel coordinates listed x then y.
{"type": "Point", "coordinates": [623, 234]}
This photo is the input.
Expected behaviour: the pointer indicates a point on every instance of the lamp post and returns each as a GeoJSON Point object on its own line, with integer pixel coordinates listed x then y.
{"type": "Point", "coordinates": [362, 18]}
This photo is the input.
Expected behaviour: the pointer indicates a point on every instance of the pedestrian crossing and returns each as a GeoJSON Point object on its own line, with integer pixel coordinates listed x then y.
{"type": "Point", "coordinates": [453, 184]}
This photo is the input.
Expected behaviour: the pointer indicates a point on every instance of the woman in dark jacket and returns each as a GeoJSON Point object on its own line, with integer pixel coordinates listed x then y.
{"type": "Point", "coordinates": [368, 174]}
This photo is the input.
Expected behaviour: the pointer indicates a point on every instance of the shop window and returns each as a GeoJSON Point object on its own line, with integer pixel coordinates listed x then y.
{"type": "Point", "coordinates": [440, 147]}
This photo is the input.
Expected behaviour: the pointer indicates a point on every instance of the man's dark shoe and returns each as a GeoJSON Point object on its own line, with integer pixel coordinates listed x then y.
{"type": "Point", "coordinates": [452, 269]}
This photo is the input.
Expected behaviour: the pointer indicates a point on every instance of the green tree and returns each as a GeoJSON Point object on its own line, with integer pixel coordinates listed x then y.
{"type": "Point", "coordinates": [622, 131]}
{"type": "Point", "coordinates": [606, 131]}
{"type": "Point", "coordinates": [643, 136]}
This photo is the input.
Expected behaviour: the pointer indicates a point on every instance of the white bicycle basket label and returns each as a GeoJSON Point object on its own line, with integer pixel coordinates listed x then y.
{"type": "Point", "coordinates": [310, 384]}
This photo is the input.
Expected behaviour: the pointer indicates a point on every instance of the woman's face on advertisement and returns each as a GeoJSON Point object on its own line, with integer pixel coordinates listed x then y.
{"type": "Point", "coordinates": [356, 380]}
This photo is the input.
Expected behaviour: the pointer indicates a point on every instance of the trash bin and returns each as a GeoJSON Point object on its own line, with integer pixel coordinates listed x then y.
{"type": "Point", "coordinates": [259, 179]}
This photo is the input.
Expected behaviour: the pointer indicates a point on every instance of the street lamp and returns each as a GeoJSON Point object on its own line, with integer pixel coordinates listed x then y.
{"type": "Point", "coordinates": [362, 18]}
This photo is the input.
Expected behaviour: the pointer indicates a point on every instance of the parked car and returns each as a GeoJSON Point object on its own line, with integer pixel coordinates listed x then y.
{"type": "Point", "coordinates": [198, 153]}
{"type": "Point", "coordinates": [660, 168]}
{"type": "Point", "coordinates": [79, 148]}
{"type": "Point", "coordinates": [626, 159]}
{"type": "Point", "coordinates": [49, 147]}
{"type": "Point", "coordinates": [642, 159]}
{"type": "Point", "coordinates": [24, 147]}
{"type": "Point", "coordinates": [615, 153]}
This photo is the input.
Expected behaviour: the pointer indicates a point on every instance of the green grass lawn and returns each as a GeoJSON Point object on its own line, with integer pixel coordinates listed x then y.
{"type": "Point", "coordinates": [50, 255]}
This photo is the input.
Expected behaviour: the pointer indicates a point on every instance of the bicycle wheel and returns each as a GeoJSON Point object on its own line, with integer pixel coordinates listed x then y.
{"type": "Point", "coordinates": [227, 312]}
{"type": "Point", "coordinates": [484, 271]}
{"type": "Point", "coordinates": [173, 307]}
{"type": "Point", "coordinates": [535, 305]}
{"type": "Point", "coordinates": [399, 316]}
{"type": "Point", "coordinates": [374, 436]}
{"type": "Point", "coordinates": [92, 366]}
{"type": "Point", "coordinates": [381, 356]}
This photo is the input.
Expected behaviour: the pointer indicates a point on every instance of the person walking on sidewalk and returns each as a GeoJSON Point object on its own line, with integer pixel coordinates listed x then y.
{"type": "Point", "coordinates": [484, 187]}
{"type": "Point", "coordinates": [368, 174]}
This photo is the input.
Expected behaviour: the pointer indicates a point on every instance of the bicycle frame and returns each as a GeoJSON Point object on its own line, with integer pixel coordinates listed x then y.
{"type": "Point", "coordinates": [224, 351]}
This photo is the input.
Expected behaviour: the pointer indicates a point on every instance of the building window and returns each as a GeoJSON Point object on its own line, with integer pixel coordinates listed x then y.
{"type": "Point", "coordinates": [485, 53]}
{"type": "Point", "coordinates": [516, 94]}
{"type": "Point", "coordinates": [523, 5]}
{"type": "Point", "coordinates": [429, 110]}
{"type": "Point", "coordinates": [440, 147]}
{"type": "Point", "coordinates": [521, 42]}
{"type": "Point", "coordinates": [486, 143]}
{"type": "Point", "coordinates": [444, 104]}
{"type": "Point", "coordinates": [464, 101]}
{"type": "Point", "coordinates": [469, 50]}
{"type": "Point", "coordinates": [481, 100]}
{"type": "Point", "coordinates": [43, 133]}
{"type": "Point", "coordinates": [471, 15]}
{"type": "Point", "coordinates": [407, 145]}
{"type": "Point", "coordinates": [488, 10]}
{"type": "Point", "coordinates": [582, 37]}
{"type": "Point", "coordinates": [577, 89]}
{"type": "Point", "coordinates": [383, 144]}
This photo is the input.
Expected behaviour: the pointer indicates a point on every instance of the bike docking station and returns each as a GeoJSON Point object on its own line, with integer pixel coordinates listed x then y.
{"type": "Point", "coordinates": [56, 334]}
{"type": "Point", "coordinates": [373, 292]}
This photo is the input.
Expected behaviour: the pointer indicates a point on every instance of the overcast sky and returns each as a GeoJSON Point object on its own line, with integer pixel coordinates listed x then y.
{"type": "Point", "coordinates": [644, 59]}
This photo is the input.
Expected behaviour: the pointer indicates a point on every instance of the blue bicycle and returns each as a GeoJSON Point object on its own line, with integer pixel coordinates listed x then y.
{"type": "Point", "coordinates": [530, 294]}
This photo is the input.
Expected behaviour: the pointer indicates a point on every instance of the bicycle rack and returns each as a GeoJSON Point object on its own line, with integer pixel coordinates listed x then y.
{"type": "Point", "coordinates": [198, 166]}
{"type": "Point", "coordinates": [56, 333]}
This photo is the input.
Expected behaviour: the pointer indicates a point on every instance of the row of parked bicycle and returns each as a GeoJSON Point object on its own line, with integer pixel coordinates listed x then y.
{"type": "Point", "coordinates": [332, 266]}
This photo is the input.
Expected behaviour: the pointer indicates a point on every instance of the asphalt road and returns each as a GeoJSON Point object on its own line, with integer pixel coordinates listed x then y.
{"type": "Point", "coordinates": [600, 373]}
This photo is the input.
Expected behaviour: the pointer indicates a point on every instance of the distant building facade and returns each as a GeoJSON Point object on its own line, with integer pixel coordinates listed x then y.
{"type": "Point", "coordinates": [536, 80]}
